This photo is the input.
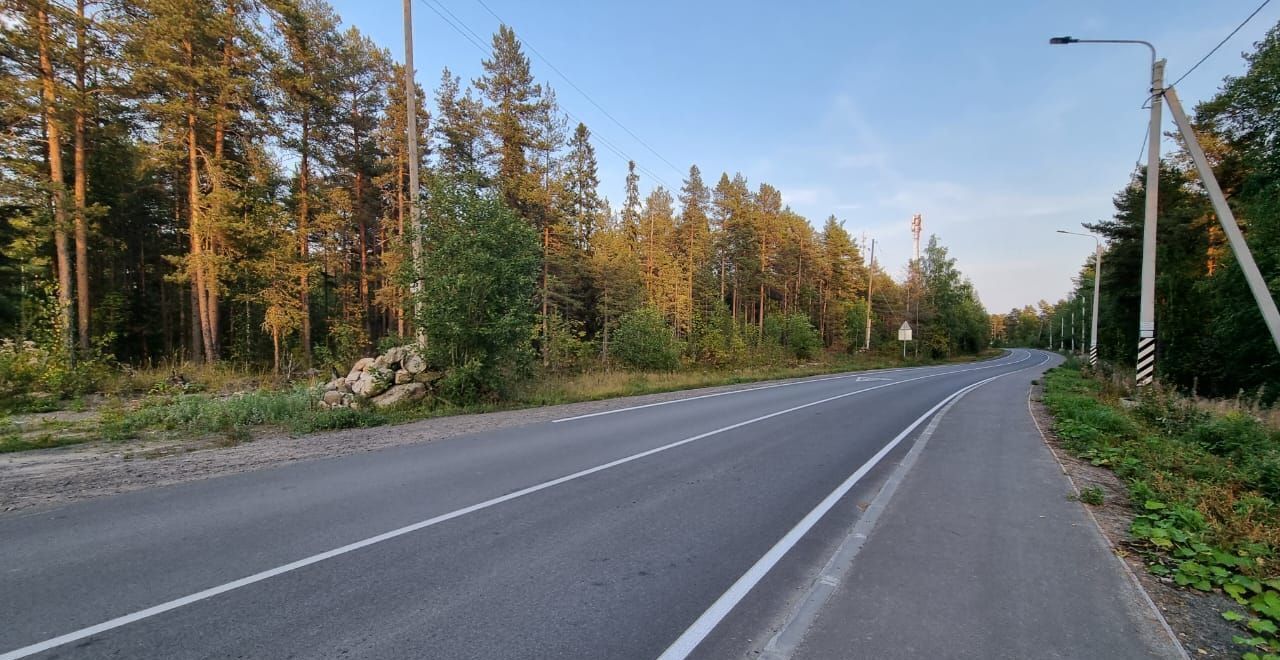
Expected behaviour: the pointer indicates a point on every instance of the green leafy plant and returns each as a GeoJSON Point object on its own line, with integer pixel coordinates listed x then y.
{"type": "Point", "coordinates": [1092, 495]}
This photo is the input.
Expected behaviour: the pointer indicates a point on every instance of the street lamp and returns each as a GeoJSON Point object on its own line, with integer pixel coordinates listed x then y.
{"type": "Point", "coordinates": [1097, 287]}
{"type": "Point", "coordinates": [1147, 306]}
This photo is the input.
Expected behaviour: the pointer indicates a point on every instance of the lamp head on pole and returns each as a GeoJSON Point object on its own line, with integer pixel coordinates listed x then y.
{"type": "Point", "coordinates": [1062, 41]}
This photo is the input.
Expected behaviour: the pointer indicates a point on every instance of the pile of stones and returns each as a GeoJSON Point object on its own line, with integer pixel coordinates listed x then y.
{"type": "Point", "coordinates": [398, 376]}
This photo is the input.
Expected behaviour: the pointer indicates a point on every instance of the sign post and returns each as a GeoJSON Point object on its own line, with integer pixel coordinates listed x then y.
{"type": "Point", "coordinates": [904, 336]}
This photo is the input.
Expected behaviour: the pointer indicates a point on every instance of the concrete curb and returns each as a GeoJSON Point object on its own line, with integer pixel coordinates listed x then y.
{"type": "Point", "coordinates": [1106, 541]}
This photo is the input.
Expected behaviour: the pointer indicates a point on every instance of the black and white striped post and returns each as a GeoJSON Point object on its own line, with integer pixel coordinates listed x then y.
{"type": "Point", "coordinates": [1146, 359]}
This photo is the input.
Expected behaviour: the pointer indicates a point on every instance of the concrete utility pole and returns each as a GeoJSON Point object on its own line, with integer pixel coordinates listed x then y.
{"type": "Point", "coordinates": [1062, 333]}
{"type": "Point", "coordinates": [1147, 303]}
{"type": "Point", "coordinates": [1257, 285]}
{"type": "Point", "coordinates": [871, 278]}
{"type": "Point", "coordinates": [411, 153]}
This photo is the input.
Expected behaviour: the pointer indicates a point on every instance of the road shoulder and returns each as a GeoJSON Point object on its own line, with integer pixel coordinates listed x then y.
{"type": "Point", "coordinates": [981, 554]}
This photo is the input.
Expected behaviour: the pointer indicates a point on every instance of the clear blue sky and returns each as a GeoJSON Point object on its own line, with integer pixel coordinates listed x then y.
{"type": "Point", "coordinates": [869, 111]}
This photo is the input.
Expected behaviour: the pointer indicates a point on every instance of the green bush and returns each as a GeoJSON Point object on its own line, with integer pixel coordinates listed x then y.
{"type": "Point", "coordinates": [479, 279]}
{"type": "Point", "coordinates": [644, 341]}
{"type": "Point", "coordinates": [567, 348]}
{"type": "Point", "coordinates": [35, 377]}
{"type": "Point", "coordinates": [795, 334]}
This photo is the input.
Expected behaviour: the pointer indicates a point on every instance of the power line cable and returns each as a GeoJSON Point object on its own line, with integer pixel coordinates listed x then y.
{"type": "Point", "coordinates": [586, 95]}
{"type": "Point", "coordinates": [478, 44]}
{"type": "Point", "coordinates": [470, 35]}
{"type": "Point", "coordinates": [1220, 43]}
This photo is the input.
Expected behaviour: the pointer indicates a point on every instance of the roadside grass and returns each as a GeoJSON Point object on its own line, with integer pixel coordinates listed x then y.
{"type": "Point", "coordinates": [1205, 481]}
{"type": "Point", "coordinates": [294, 408]}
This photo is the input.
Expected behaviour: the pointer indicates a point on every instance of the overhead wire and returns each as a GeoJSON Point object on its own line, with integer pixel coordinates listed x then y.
{"type": "Point", "coordinates": [1221, 43]}
{"type": "Point", "coordinates": [474, 39]}
{"type": "Point", "coordinates": [584, 94]}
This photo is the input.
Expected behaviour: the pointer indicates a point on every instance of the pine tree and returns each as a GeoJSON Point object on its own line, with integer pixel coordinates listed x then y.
{"type": "Point", "coordinates": [518, 107]}
{"type": "Point", "coordinates": [459, 130]}
{"type": "Point", "coordinates": [694, 238]}
{"type": "Point", "coordinates": [363, 72]}
{"type": "Point", "coordinates": [581, 206]}
{"type": "Point", "coordinates": [393, 183]}
{"type": "Point", "coordinates": [844, 281]}
{"type": "Point", "coordinates": [618, 278]}
{"type": "Point", "coordinates": [305, 76]}
{"type": "Point", "coordinates": [767, 218]}
{"type": "Point", "coordinates": [40, 23]}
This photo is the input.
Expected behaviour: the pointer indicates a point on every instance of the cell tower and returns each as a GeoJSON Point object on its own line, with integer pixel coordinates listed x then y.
{"type": "Point", "coordinates": [917, 225]}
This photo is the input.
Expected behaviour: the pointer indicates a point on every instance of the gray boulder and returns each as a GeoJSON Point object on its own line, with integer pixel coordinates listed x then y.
{"type": "Point", "coordinates": [372, 382]}
{"type": "Point", "coordinates": [413, 363]}
{"type": "Point", "coordinates": [400, 394]}
{"type": "Point", "coordinates": [357, 369]}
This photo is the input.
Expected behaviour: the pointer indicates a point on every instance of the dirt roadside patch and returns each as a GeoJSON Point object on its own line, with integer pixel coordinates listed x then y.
{"type": "Point", "coordinates": [49, 477]}
{"type": "Point", "coordinates": [1194, 616]}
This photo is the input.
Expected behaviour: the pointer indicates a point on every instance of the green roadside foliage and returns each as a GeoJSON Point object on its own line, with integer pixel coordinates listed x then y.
{"type": "Point", "coordinates": [1205, 486]}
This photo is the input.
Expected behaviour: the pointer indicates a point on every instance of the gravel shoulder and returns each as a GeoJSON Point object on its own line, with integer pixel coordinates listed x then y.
{"type": "Point", "coordinates": [43, 478]}
{"type": "Point", "coordinates": [1194, 616]}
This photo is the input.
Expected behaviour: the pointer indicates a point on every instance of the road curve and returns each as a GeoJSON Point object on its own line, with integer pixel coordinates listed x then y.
{"type": "Point", "coordinates": [611, 535]}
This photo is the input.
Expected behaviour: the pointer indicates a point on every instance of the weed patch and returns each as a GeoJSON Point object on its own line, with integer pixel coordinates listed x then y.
{"type": "Point", "coordinates": [1205, 485]}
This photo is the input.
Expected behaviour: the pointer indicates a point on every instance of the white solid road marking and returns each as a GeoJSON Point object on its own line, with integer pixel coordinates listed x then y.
{"type": "Point", "coordinates": [856, 376]}
{"type": "Point", "coordinates": [387, 536]}
{"type": "Point", "coordinates": [691, 637]}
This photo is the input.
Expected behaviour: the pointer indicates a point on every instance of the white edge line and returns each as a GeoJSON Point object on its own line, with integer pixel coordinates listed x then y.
{"type": "Point", "coordinates": [805, 611]}
{"type": "Point", "coordinates": [702, 627]}
{"type": "Point", "coordinates": [1106, 541]}
{"type": "Point", "coordinates": [386, 536]}
{"type": "Point", "coordinates": [787, 384]}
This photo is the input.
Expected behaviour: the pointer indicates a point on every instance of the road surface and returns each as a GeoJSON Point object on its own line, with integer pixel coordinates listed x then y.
{"type": "Point", "coordinates": [704, 527]}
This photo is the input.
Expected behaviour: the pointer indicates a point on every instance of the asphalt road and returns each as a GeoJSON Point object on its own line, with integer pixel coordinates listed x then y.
{"type": "Point", "coordinates": [692, 528]}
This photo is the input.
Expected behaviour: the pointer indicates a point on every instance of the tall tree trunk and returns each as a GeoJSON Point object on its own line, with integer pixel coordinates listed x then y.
{"type": "Point", "coordinates": [196, 235]}
{"type": "Point", "coordinates": [304, 209]}
{"type": "Point", "coordinates": [218, 180]}
{"type": "Point", "coordinates": [763, 267]}
{"type": "Point", "coordinates": [81, 187]}
{"type": "Point", "coordinates": [197, 338]}
{"type": "Point", "coordinates": [275, 349]}
{"type": "Point", "coordinates": [53, 133]}
{"type": "Point", "coordinates": [196, 229]}
{"type": "Point", "coordinates": [546, 250]}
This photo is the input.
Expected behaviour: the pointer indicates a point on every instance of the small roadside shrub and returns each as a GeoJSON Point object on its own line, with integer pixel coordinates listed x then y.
{"type": "Point", "coordinates": [339, 418]}
{"type": "Point", "coordinates": [1232, 433]}
{"type": "Point", "coordinates": [1092, 495]}
{"type": "Point", "coordinates": [644, 341]}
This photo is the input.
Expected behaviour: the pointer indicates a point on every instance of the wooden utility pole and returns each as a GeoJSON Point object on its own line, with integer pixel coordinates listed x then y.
{"type": "Point", "coordinates": [871, 278]}
{"type": "Point", "coordinates": [411, 142]}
